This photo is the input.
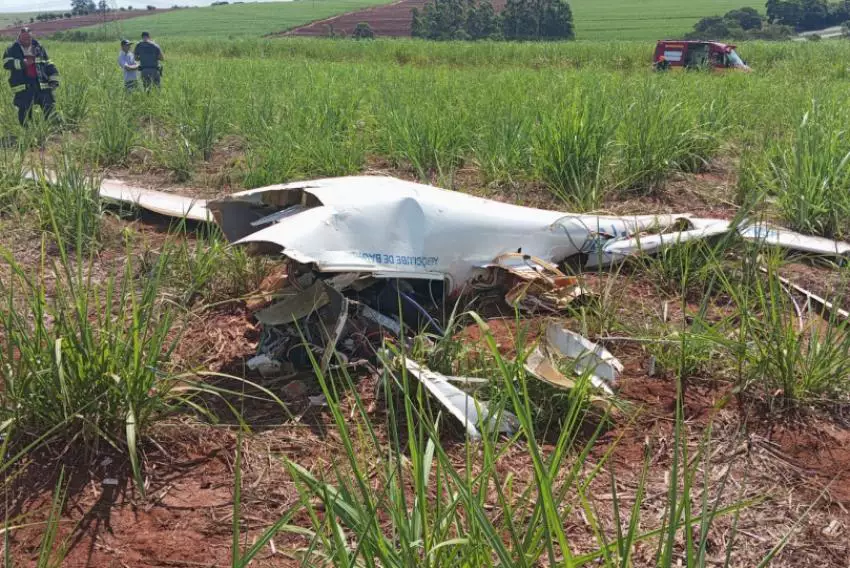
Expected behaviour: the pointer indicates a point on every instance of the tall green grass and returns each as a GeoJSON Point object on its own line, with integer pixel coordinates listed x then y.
{"type": "Point", "coordinates": [396, 495]}
{"type": "Point", "coordinates": [808, 174]}
{"type": "Point", "coordinates": [573, 150]}
{"type": "Point", "coordinates": [83, 351]}
{"type": "Point", "coordinates": [474, 114]}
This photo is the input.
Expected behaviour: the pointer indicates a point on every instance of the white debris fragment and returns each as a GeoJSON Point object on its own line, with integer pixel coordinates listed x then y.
{"type": "Point", "coordinates": [265, 365]}
{"type": "Point", "coordinates": [589, 357]}
{"type": "Point", "coordinates": [168, 204]}
{"type": "Point", "coordinates": [318, 400]}
{"type": "Point", "coordinates": [601, 367]}
{"type": "Point", "coordinates": [768, 235]}
{"type": "Point", "coordinates": [469, 411]}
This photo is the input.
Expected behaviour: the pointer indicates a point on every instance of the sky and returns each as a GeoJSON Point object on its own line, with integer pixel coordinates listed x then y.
{"type": "Point", "coordinates": [56, 5]}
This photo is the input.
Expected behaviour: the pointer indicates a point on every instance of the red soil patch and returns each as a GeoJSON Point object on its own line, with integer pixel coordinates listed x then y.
{"type": "Point", "coordinates": [391, 20]}
{"type": "Point", "coordinates": [53, 26]}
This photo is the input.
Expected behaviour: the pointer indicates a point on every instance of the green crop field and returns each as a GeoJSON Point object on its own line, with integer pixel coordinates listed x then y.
{"type": "Point", "coordinates": [135, 430]}
{"type": "Point", "coordinates": [595, 19]}
{"type": "Point", "coordinates": [643, 19]}
{"type": "Point", "coordinates": [239, 20]}
{"type": "Point", "coordinates": [9, 18]}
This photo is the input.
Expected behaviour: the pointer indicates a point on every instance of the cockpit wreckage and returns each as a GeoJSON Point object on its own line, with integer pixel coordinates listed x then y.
{"type": "Point", "coordinates": [367, 256]}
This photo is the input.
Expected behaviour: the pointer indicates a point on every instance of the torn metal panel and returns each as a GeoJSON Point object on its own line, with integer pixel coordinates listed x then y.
{"type": "Point", "coordinates": [295, 307]}
{"type": "Point", "coordinates": [168, 204]}
{"type": "Point", "coordinates": [395, 228]}
{"type": "Point", "coordinates": [617, 250]}
{"type": "Point", "coordinates": [540, 365]}
{"type": "Point", "coordinates": [774, 236]}
{"type": "Point", "coordinates": [299, 304]}
{"type": "Point", "coordinates": [603, 367]}
{"type": "Point", "coordinates": [472, 413]}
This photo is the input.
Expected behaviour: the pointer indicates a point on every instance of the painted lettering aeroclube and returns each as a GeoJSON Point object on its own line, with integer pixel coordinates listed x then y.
{"type": "Point", "coordinates": [399, 260]}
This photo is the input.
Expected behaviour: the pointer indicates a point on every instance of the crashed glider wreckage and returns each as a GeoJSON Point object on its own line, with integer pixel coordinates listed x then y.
{"type": "Point", "coordinates": [365, 257]}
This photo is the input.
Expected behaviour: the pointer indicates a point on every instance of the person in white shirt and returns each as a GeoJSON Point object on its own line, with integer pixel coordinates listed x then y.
{"type": "Point", "coordinates": [127, 63]}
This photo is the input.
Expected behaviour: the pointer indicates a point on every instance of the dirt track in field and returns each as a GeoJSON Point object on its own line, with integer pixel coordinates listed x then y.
{"type": "Point", "coordinates": [53, 26]}
{"type": "Point", "coordinates": [389, 20]}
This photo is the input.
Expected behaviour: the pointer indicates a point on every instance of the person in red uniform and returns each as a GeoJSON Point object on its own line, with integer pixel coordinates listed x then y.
{"type": "Point", "coordinates": [32, 76]}
{"type": "Point", "coordinates": [661, 64]}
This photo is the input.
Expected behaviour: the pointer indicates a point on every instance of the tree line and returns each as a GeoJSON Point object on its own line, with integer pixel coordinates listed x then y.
{"type": "Point", "coordinates": [741, 24]}
{"type": "Point", "coordinates": [782, 19]}
{"type": "Point", "coordinates": [521, 20]}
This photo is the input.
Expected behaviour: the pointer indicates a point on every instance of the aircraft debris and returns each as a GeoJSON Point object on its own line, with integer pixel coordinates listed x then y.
{"type": "Point", "coordinates": [824, 306]}
{"type": "Point", "coordinates": [602, 368]}
{"type": "Point", "coordinates": [364, 259]}
{"type": "Point", "coordinates": [473, 414]}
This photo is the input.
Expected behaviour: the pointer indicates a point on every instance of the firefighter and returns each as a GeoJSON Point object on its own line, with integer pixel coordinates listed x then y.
{"type": "Point", "coordinates": [32, 76]}
{"type": "Point", "coordinates": [661, 64]}
{"type": "Point", "coordinates": [149, 57]}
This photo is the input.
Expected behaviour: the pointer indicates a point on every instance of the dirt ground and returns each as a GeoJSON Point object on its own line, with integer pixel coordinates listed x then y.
{"type": "Point", "coordinates": [390, 20]}
{"type": "Point", "coordinates": [795, 468]}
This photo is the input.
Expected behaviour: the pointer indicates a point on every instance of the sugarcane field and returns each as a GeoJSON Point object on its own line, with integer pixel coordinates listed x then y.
{"type": "Point", "coordinates": [437, 283]}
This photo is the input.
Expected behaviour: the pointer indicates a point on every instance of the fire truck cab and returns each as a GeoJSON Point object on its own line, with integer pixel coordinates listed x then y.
{"type": "Point", "coordinates": [697, 54]}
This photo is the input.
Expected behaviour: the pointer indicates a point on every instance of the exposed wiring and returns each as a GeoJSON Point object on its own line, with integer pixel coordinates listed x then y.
{"type": "Point", "coordinates": [420, 309]}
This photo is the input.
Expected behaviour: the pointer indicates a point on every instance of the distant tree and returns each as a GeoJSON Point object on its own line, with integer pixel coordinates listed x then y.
{"type": "Point", "coordinates": [805, 15]}
{"type": "Point", "coordinates": [151, 8]}
{"type": "Point", "coordinates": [68, 15]}
{"type": "Point", "coordinates": [772, 32]}
{"type": "Point", "coordinates": [742, 24]}
{"type": "Point", "coordinates": [537, 20]}
{"type": "Point", "coordinates": [455, 20]}
{"type": "Point", "coordinates": [708, 23]}
{"type": "Point", "coordinates": [417, 24]}
{"type": "Point", "coordinates": [482, 22]}
{"type": "Point", "coordinates": [441, 20]}
{"type": "Point", "coordinates": [747, 18]}
{"type": "Point", "coordinates": [363, 31]}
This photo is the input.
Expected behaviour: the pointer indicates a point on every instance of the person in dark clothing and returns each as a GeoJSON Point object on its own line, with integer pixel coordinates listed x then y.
{"type": "Point", "coordinates": [661, 64]}
{"type": "Point", "coordinates": [149, 57]}
{"type": "Point", "coordinates": [32, 76]}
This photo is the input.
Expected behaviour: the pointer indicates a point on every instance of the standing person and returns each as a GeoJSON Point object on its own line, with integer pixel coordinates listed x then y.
{"type": "Point", "coordinates": [149, 57]}
{"type": "Point", "coordinates": [127, 63]}
{"type": "Point", "coordinates": [32, 76]}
